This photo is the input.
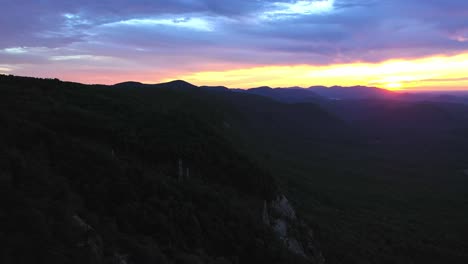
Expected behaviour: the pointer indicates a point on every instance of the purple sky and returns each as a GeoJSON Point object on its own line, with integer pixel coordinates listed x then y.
{"type": "Point", "coordinates": [109, 41]}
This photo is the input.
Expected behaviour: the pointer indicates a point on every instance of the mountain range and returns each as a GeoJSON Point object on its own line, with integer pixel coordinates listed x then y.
{"type": "Point", "coordinates": [317, 94]}
{"type": "Point", "coordinates": [176, 173]}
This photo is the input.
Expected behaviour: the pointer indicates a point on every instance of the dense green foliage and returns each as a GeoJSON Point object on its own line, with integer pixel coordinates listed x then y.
{"type": "Point", "coordinates": [90, 175]}
{"type": "Point", "coordinates": [387, 185]}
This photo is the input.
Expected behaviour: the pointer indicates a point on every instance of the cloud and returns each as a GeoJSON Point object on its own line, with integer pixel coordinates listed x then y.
{"type": "Point", "coordinates": [5, 69]}
{"type": "Point", "coordinates": [15, 50]}
{"type": "Point", "coordinates": [192, 35]}
{"type": "Point", "coordinates": [199, 24]}
{"type": "Point", "coordinates": [280, 10]}
{"type": "Point", "coordinates": [447, 79]}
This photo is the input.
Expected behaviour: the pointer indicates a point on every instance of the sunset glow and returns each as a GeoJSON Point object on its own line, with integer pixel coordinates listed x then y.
{"type": "Point", "coordinates": [426, 73]}
{"type": "Point", "coordinates": [241, 44]}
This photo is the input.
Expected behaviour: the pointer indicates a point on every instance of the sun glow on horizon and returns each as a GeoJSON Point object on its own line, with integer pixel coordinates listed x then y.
{"type": "Point", "coordinates": [396, 74]}
{"type": "Point", "coordinates": [393, 86]}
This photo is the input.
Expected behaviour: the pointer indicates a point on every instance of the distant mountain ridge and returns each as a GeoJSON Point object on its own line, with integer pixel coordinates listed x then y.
{"type": "Point", "coordinates": [290, 95]}
{"type": "Point", "coordinates": [315, 94]}
{"type": "Point", "coordinates": [283, 93]}
{"type": "Point", "coordinates": [176, 84]}
{"type": "Point", "coordinates": [353, 92]}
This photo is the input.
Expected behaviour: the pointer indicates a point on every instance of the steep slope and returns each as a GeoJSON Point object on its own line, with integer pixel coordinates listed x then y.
{"type": "Point", "coordinates": [384, 187]}
{"type": "Point", "coordinates": [96, 174]}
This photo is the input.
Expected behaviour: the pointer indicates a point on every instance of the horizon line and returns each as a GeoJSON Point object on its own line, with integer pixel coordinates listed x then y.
{"type": "Point", "coordinates": [402, 90]}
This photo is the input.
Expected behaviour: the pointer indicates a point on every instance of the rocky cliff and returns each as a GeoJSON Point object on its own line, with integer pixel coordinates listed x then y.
{"type": "Point", "coordinates": [280, 216]}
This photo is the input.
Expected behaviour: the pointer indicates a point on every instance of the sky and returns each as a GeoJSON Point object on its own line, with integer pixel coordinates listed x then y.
{"type": "Point", "coordinates": [393, 44]}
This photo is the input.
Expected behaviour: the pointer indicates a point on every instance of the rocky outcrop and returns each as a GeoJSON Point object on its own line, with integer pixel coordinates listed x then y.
{"type": "Point", "coordinates": [281, 217]}
{"type": "Point", "coordinates": [120, 259]}
{"type": "Point", "coordinates": [89, 242]}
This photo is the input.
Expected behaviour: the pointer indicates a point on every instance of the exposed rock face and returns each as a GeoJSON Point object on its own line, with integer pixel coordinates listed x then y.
{"type": "Point", "coordinates": [81, 224]}
{"type": "Point", "coordinates": [281, 206]}
{"type": "Point", "coordinates": [90, 242]}
{"type": "Point", "coordinates": [265, 215]}
{"type": "Point", "coordinates": [120, 259]}
{"type": "Point", "coordinates": [296, 235]}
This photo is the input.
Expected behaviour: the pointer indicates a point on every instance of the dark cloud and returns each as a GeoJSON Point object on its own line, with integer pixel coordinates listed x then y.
{"type": "Point", "coordinates": [236, 31]}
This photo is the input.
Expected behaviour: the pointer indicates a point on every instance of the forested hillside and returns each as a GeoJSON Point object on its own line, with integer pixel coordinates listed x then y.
{"type": "Point", "coordinates": [175, 173]}
{"type": "Point", "coordinates": [95, 174]}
